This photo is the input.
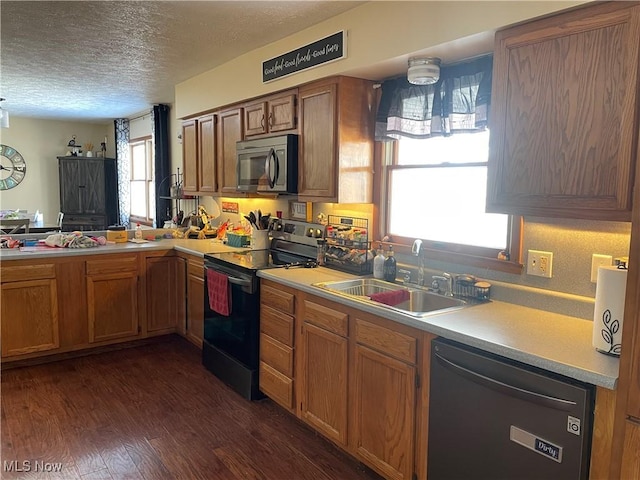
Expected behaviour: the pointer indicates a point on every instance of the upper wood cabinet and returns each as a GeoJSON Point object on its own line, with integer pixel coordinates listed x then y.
{"type": "Point", "coordinates": [199, 155]}
{"type": "Point", "coordinates": [564, 119]}
{"type": "Point", "coordinates": [272, 114]}
{"type": "Point", "coordinates": [229, 131]}
{"type": "Point", "coordinates": [336, 140]}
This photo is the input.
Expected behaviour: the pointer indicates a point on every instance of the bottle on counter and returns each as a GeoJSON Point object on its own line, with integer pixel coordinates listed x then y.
{"type": "Point", "coordinates": [322, 248]}
{"type": "Point", "coordinates": [378, 263]}
{"type": "Point", "coordinates": [390, 266]}
{"type": "Point", "coordinates": [138, 233]}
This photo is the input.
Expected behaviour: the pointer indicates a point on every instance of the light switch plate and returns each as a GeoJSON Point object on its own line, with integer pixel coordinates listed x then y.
{"type": "Point", "coordinates": [540, 263]}
{"type": "Point", "coordinates": [598, 260]}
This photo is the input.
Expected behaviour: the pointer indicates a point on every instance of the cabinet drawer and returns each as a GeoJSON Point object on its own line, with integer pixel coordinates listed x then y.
{"type": "Point", "coordinates": [276, 324]}
{"type": "Point", "coordinates": [276, 355]}
{"type": "Point", "coordinates": [276, 386]}
{"type": "Point", "coordinates": [27, 272]}
{"type": "Point", "coordinates": [283, 301]}
{"type": "Point", "coordinates": [195, 267]}
{"type": "Point", "coordinates": [327, 318]}
{"type": "Point", "coordinates": [112, 265]}
{"type": "Point", "coordinates": [390, 342]}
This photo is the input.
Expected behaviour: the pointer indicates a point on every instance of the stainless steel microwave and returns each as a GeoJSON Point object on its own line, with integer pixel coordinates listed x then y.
{"type": "Point", "coordinates": [268, 164]}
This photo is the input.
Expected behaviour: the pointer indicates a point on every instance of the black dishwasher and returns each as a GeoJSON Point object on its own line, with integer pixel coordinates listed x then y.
{"type": "Point", "coordinates": [493, 418]}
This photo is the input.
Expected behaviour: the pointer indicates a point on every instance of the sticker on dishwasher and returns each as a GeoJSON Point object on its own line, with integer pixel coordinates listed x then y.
{"type": "Point", "coordinates": [536, 444]}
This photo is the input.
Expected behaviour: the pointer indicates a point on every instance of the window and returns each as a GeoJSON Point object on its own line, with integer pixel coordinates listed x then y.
{"type": "Point", "coordinates": [436, 191]}
{"type": "Point", "coordinates": [143, 202]}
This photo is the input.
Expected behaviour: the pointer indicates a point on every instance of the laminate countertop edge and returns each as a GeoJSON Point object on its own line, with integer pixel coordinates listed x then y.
{"type": "Point", "coordinates": [550, 341]}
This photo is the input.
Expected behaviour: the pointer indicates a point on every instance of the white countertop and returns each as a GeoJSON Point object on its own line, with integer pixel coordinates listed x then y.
{"type": "Point", "coordinates": [191, 246]}
{"type": "Point", "coordinates": [554, 342]}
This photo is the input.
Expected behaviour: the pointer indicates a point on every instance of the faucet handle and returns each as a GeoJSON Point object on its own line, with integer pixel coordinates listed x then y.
{"type": "Point", "coordinates": [405, 275]}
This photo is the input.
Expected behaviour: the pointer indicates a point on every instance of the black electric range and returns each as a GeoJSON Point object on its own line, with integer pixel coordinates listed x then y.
{"type": "Point", "coordinates": [231, 335]}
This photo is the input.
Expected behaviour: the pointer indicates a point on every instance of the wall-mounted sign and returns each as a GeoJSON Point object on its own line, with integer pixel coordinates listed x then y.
{"type": "Point", "coordinates": [321, 51]}
{"type": "Point", "coordinates": [230, 207]}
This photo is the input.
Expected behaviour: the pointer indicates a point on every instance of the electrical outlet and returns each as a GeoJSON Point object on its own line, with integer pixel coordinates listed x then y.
{"type": "Point", "coordinates": [599, 261]}
{"type": "Point", "coordinates": [540, 263]}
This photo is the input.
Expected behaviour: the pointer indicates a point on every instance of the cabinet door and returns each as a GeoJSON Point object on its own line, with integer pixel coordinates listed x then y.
{"type": "Point", "coordinates": [206, 154]}
{"type": "Point", "coordinates": [323, 382]}
{"type": "Point", "coordinates": [190, 156]}
{"type": "Point", "coordinates": [255, 119]}
{"type": "Point", "coordinates": [195, 301]}
{"type": "Point", "coordinates": [69, 175]}
{"type": "Point", "coordinates": [229, 132]}
{"type": "Point", "coordinates": [163, 291]}
{"type": "Point", "coordinates": [564, 124]}
{"type": "Point", "coordinates": [29, 317]}
{"type": "Point", "coordinates": [317, 148]}
{"type": "Point", "coordinates": [631, 452]}
{"type": "Point", "coordinates": [92, 187]}
{"type": "Point", "coordinates": [282, 113]}
{"type": "Point", "coordinates": [113, 306]}
{"type": "Point", "coordinates": [384, 410]}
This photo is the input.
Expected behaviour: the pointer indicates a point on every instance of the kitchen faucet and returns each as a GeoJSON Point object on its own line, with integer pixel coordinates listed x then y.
{"type": "Point", "coordinates": [416, 250]}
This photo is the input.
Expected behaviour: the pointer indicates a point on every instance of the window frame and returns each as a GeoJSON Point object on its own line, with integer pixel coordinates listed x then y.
{"type": "Point", "coordinates": [386, 158]}
{"type": "Point", "coordinates": [147, 141]}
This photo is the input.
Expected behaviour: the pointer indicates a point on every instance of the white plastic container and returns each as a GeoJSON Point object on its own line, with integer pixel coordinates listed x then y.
{"type": "Point", "coordinates": [378, 264]}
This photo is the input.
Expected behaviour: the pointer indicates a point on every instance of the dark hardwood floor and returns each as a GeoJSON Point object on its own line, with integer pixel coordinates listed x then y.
{"type": "Point", "coordinates": [152, 412]}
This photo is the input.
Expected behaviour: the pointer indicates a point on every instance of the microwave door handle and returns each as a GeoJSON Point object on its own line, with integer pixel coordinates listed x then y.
{"type": "Point", "coordinates": [267, 167]}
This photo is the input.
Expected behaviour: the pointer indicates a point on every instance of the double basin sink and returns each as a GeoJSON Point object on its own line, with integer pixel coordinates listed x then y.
{"type": "Point", "coordinates": [414, 301]}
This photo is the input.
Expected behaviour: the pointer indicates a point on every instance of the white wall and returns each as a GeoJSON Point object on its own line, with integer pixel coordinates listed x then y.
{"type": "Point", "coordinates": [40, 142]}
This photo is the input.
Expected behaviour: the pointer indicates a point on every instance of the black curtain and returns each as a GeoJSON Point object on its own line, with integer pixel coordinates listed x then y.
{"type": "Point", "coordinates": [162, 163]}
{"type": "Point", "coordinates": [458, 102]}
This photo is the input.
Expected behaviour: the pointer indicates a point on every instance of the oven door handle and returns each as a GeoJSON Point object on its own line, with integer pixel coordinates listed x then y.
{"type": "Point", "coordinates": [239, 281]}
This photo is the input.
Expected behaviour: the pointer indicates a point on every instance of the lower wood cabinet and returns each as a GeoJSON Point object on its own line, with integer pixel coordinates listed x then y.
{"type": "Point", "coordinates": [165, 298]}
{"type": "Point", "coordinates": [351, 376]}
{"type": "Point", "coordinates": [194, 329]}
{"type": "Point", "coordinates": [323, 381]}
{"type": "Point", "coordinates": [29, 310]}
{"type": "Point", "coordinates": [112, 297]}
{"type": "Point", "coordinates": [631, 453]}
{"type": "Point", "coordinates": [384, 412]}
{"type": "Point", "coordinates": [77, 302]}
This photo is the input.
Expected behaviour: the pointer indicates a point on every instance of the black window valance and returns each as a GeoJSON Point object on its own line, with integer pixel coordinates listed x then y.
{"type": "Point", "coordinates": [458, 102]}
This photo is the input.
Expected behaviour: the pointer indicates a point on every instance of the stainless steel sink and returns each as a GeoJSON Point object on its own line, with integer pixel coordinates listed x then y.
{"type": "Point", "coordinates": [421, 302]}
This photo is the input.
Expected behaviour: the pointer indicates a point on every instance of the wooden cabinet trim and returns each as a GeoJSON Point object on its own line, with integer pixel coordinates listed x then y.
{"type": "Point", "coordinates": [277, 325]}
{"type": "Point", "coordinates": [277, 355]}
{"type": "Point", "coordinates": [112, 264]}
{"type": "Point", "coordinates": [276, 385]}
{"type": "Point", "coordinates": [18, 273]}
{"type": "Point", "coordinates": [390, 342]}
{"type": "Point", "coordinates": [279, 299]}
{"type": "Point", "coordinates": [326, 318]}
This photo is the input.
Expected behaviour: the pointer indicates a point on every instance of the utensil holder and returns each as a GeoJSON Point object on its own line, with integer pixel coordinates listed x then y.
{"type": "Point", "coordinates": [259, 239]}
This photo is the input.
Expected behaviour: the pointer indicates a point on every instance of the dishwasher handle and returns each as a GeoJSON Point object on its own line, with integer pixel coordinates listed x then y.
{"type": "Point", "coordinates": [511, 390]}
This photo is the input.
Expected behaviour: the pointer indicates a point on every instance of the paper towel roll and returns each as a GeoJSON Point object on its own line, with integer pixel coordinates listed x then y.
{"type": "Point", "coordinates": [609, 310]}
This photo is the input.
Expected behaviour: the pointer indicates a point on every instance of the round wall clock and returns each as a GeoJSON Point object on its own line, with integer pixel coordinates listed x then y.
{"type": "Point", "coordinates": [13, 168]}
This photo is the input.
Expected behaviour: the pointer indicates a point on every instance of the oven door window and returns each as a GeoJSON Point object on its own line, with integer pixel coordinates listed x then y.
{"type": "Point", "coordinates": [236, 335]}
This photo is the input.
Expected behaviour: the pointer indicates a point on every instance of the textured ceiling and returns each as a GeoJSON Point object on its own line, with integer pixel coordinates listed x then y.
{"type": "Point", "coordinates": [99, 60]}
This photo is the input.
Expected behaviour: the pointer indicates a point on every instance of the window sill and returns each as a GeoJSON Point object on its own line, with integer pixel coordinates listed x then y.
{"type": "Point", "coordinates": [462, 259]}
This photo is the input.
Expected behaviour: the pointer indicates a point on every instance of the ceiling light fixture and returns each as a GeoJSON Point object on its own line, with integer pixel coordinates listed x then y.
{"type": "Point", "coordinates": [423, 71]}
{"type": "Point", "coordinates": [4, 116]}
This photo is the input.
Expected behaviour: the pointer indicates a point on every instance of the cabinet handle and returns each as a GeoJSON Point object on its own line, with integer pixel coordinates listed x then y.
{"type": "Point", "coordinates": [271, 119]}
{"type": "Point", "coordinates": [262, 122]}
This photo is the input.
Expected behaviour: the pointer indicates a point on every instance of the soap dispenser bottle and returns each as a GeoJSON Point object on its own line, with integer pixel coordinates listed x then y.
{"type": "Point", "coordinates": [378, 264]}
{"type": "Point", "coordinates": [138, 233]}
{"type": "Point", "coordinates": [390, 266]}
